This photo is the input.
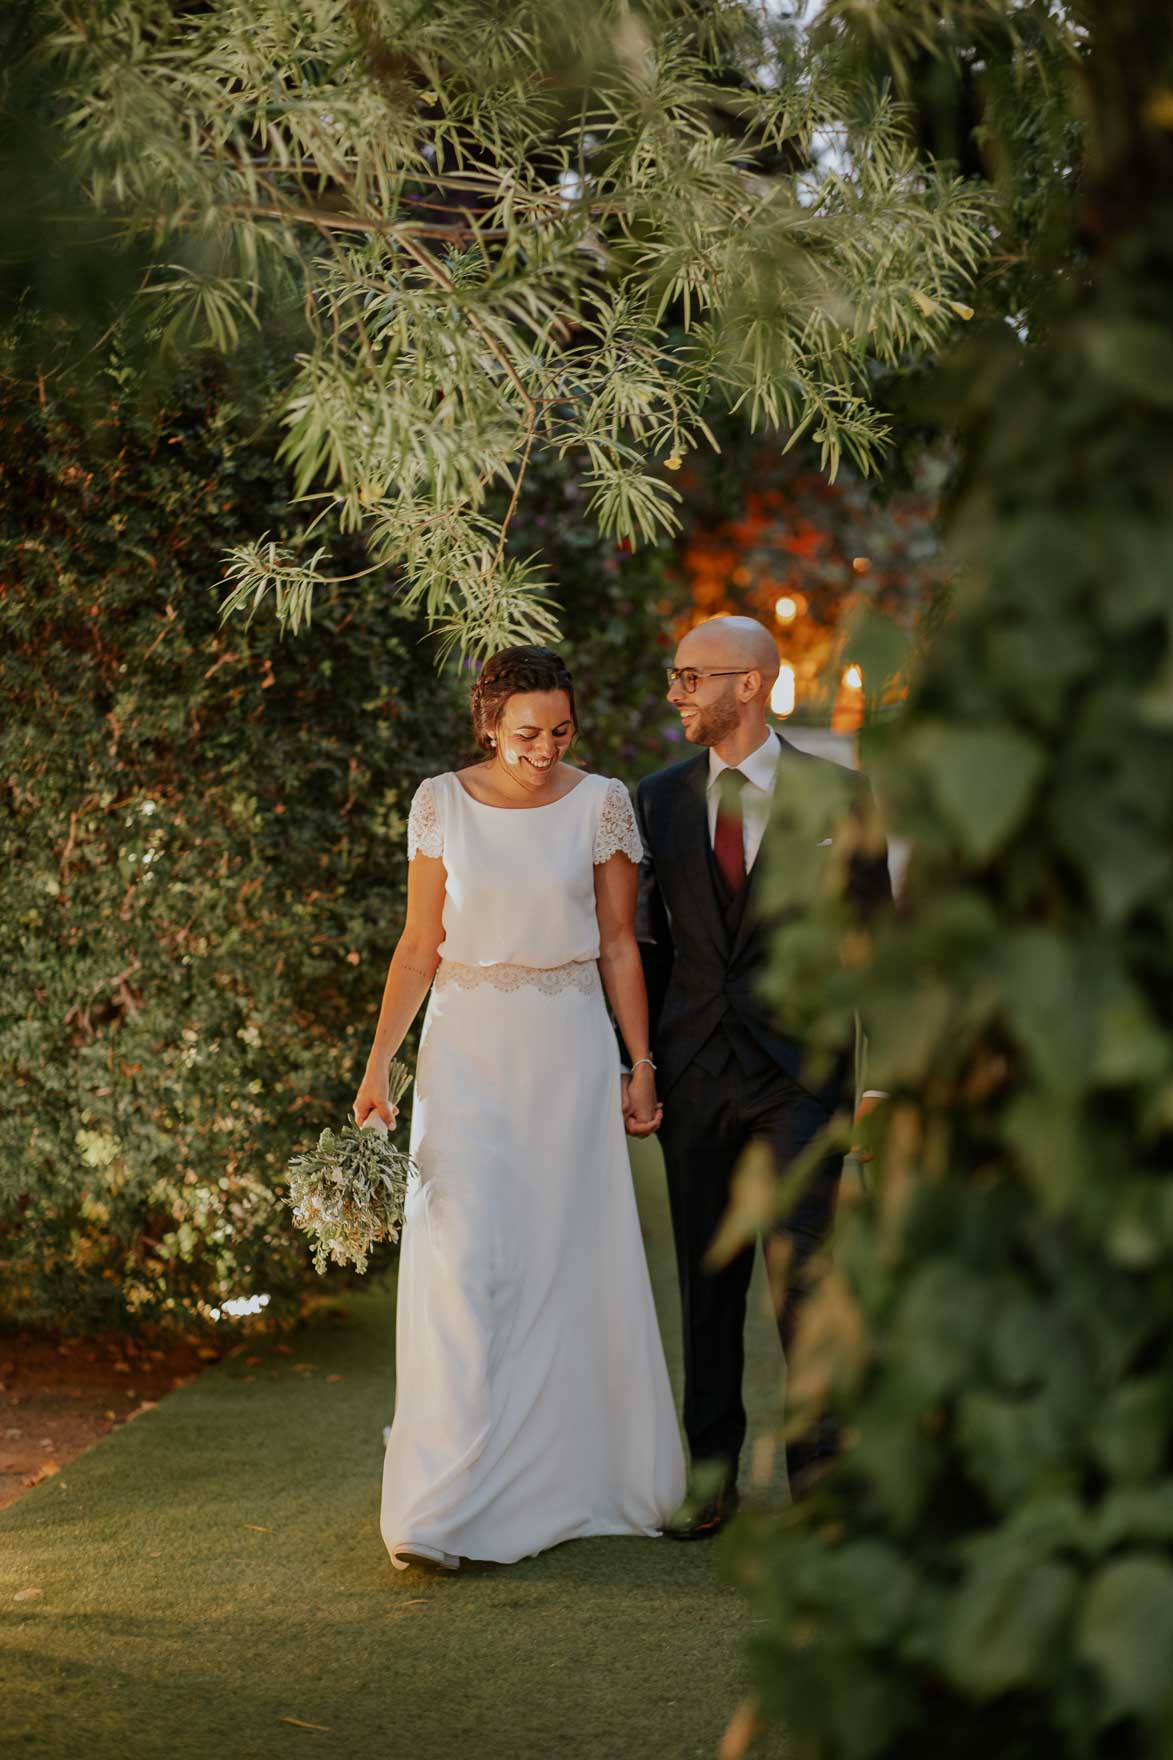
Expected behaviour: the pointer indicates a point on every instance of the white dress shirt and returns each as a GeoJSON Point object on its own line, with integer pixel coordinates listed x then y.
{"type": "Point", "coordinates": [760, 770]}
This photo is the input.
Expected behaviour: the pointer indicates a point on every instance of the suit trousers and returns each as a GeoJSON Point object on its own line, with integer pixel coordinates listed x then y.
{"type": "Point", "coordinates": [708, 1121]}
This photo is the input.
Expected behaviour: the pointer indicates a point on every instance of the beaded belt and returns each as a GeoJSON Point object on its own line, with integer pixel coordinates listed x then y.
{"type": "Point", "coordinates": [580, 974]}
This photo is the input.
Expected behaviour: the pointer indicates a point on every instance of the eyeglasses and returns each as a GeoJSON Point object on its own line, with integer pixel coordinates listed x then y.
{"type": "Point", "coordinates": [687, 677]}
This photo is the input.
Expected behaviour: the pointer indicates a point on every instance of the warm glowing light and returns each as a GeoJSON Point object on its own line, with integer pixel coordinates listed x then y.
{"type": "Point", "coordinates": [786, 609]}
{"type": "Point", "coordinates": [782, 695]}
{"type": "Point", "coordinates": [853, 678]}
{"type": "Point", "coordinates": [861, 564]}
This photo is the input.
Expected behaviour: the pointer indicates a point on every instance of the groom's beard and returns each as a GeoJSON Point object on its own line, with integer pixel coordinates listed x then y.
{"type": "Point", "coordinates": [710, 725]}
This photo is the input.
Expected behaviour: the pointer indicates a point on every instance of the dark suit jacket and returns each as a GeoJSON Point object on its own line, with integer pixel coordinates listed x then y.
{"type": "Point", "coordinates": [701, 962]}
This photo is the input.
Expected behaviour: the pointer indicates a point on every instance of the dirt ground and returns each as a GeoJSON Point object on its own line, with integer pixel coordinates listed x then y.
{"type": "Point", "coordinates": [58, 1396]}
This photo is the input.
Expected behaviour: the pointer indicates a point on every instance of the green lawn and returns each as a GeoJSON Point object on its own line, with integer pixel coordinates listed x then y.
{"type": "Point", "coordinates": [168, 1625]}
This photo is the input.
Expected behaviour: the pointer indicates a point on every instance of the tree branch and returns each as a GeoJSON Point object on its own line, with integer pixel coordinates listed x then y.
{"type": "Point", "coordinates": [430, 267]}
{"type": "Point", "coordinates": [329, 221]}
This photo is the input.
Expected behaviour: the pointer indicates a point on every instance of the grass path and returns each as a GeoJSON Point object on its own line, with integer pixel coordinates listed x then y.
{"type": "Point", "coordinates": [216, 1567]}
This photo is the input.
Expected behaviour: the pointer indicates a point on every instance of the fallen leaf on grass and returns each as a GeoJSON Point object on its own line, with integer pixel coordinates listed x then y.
{"type": "Point", "coordinates": [255, 1528]}
{"type": "Point", "coordinates": [251, 1362]}
{"type": "Point", "coordinates": [285, 1349]}
{"type": "Point", "coordinates": [742, 1730]}
{"type": "Point", "coordinates": [335, 1378]}
{"type": "Point", "coordinates": [298, 1724]}
{"type": "Point", "coordinates": [304, 1368]}
{"type": "Point", "coordinates": [148, 1405]}
{"type": "Point", "coordinates": [419, 1601]}
{"type": "Point", "coordinates": [208, 1354]}
{"type": "Point", "coordinates": [27, 1594]}
{"type": "Point", "coordinates": [154, 1555]}
{"type": "Point", "coordinates": [46, 1470]}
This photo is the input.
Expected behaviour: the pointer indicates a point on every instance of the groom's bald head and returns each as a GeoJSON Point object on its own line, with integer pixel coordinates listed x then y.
{"type": "Point", "coordinates": [731, 643]}
{"type": "Point", "coordinates": [736, 662]}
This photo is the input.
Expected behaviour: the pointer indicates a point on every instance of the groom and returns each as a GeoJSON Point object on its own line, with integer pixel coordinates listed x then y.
{"type": "Point", "coordinates": [726, 1071]}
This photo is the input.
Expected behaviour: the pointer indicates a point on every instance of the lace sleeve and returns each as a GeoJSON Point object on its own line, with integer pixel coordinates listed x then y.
{"type": "Point", "coordinates": [425, 833]}
{"type": "Point", "coordinates": [617, 832]}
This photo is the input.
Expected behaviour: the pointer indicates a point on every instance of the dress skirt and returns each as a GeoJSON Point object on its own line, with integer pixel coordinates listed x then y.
{"type": "Point", "coordinates": [532, 1400]}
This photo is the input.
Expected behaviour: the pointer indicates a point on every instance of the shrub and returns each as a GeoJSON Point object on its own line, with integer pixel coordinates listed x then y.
{"type": "Point", "coordinates": [203, 835]}
{"type": "Point", "coordinates": [989, 1571]}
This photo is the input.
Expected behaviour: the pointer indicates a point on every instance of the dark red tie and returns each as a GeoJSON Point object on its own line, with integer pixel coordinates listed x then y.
{"type": "Point", "coordinates": [729, 837]}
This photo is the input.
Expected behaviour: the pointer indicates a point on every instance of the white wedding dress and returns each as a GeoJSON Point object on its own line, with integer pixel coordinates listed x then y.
{"type": "Point", "coordinates": [532, 1400]}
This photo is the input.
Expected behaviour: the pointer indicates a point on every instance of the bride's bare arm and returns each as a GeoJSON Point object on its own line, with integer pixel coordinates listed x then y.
{"type": "Point", "coordinates": [413, 966]}
{"type": "Point", "coordinates": [616, 881]}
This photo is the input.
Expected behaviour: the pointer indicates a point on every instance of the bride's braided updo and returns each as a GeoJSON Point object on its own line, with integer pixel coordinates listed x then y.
{"type": "Point", "coordinates": [512, 672]}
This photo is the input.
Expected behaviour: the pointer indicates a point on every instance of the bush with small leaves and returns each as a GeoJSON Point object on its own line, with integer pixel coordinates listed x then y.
{"type": "Point", "coordinates": [203, 838]}
{"type": "Point", "coordinates": [203, 835]}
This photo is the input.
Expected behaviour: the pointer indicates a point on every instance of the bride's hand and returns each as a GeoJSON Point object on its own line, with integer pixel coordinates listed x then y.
{"type": "Point", "coordinates": [372, 1097]}
{"type": "Point", "coordinates": [642, 1112]}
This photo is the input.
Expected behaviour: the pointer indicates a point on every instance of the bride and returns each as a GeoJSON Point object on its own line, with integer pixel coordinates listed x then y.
{"type": "Point", "coordinates": [532, 1401]}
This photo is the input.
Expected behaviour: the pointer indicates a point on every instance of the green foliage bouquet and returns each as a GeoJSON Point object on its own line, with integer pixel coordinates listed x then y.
{"type": "Point", "coordinates": [347, 1193]}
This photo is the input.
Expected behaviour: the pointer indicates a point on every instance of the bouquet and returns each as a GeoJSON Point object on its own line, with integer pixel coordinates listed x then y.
{"type": "Point", "coordinates": [347, 1194]}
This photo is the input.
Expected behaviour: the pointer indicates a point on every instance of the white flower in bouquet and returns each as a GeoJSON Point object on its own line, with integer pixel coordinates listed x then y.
{"type": "Point", "coordinates": [347, 1193]}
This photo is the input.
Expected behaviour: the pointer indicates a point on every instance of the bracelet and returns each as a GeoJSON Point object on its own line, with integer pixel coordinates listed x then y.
{"type": "Point", "coordinates": [640, 1060]}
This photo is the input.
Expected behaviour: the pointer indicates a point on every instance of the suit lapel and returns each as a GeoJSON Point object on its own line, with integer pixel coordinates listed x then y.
{"type": "Point", "coordinates": [694, 852]}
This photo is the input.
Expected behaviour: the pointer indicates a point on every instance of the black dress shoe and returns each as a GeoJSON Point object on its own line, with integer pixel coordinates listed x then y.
{"type": "Point", "coordinates": [702, 1521]}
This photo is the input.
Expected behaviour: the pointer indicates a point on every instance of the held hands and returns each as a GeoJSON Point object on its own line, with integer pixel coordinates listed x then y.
{"type": "Point", "coordinates": [642, 1112]}
{"type": "Point", "coordinates": [372, 1097]}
